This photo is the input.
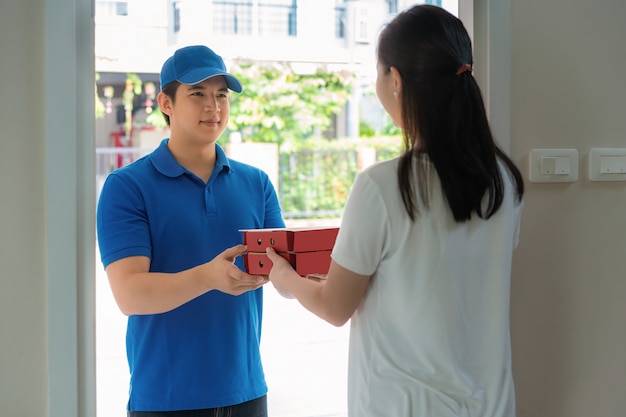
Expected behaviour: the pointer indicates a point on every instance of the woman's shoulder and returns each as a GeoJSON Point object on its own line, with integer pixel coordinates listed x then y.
{"type": "Point", "coordinates": [382, 167]}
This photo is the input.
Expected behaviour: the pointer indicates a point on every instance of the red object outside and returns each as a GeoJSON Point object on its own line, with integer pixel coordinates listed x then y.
{"type": "Point", "coordinates": [120, 141]}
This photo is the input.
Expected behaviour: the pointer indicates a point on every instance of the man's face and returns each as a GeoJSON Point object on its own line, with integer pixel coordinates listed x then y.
{"type": "Point", "coordinates": [200, 111]}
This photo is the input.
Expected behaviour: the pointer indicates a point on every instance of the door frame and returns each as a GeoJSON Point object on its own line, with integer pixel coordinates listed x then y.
{"type": "Point", "coordinates": [70, 206]}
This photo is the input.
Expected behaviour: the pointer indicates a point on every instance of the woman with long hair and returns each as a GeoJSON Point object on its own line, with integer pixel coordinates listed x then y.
{"type": "Point", "coordinates": [422, 262]}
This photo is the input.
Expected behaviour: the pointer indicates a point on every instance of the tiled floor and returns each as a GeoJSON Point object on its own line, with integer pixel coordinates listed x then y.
{"type": "Point", "coordinates": [305, 358]}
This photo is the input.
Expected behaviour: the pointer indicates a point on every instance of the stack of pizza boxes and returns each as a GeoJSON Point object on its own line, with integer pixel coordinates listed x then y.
{"type": "Point", "coordinates": [307, 248]}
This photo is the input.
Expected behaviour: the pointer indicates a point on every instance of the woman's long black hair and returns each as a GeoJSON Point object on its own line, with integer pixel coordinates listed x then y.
{"type": "Point", "coordinates": [443, 114]}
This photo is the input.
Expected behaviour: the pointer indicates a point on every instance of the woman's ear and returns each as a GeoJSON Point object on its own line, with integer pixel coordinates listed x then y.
{"type": "Point", "coordinates": [397, 81]}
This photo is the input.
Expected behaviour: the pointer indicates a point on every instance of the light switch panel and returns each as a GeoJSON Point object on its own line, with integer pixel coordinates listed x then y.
{"type": "Point", "coordinates": [553, 165]}
{"type": "Point", "coordinates": [607, 164]}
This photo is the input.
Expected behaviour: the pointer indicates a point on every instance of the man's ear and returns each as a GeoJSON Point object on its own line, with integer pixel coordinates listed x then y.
{"type": "Point", "coordinates": [165, 103]}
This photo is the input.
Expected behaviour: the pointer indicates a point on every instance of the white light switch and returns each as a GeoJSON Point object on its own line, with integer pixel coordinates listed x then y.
{"type": "Point", "coordinates": [553, 165]}
{"type": "Point", "coordinates": [548, 165]}
{"type": "Point", "coordinates": [607, 164]}
{"type": "Point", "coordinates": [612, 164]}
{"type": "Point", "coordinates": [562, 166]}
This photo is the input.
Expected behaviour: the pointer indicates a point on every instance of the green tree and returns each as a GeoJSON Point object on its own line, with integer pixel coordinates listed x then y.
{"type": "Point", "coordinates": [278, 105]}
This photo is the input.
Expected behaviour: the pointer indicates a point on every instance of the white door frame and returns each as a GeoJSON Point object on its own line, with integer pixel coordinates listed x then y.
{"type": "Point", "coordinates": [490, 23]}
{"type": "Point", "coordinates": [70, 206]}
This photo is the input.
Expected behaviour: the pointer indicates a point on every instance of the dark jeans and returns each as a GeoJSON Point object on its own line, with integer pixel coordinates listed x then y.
{"type": "Point", "coordinates": [254, 408]}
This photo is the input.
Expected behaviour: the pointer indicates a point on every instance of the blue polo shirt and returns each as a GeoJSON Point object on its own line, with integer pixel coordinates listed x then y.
{"type": "Point", "coordinates": [205, 353]}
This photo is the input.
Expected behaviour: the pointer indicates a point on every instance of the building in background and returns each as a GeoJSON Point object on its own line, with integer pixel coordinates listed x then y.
{"type": "Point", "coordinates": [136, 36]}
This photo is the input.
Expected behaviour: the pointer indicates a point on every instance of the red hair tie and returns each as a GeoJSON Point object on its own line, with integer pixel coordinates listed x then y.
{"type": "Point", "coordinates": [464, 68]}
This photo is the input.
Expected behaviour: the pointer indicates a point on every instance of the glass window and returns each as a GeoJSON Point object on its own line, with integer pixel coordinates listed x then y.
{"type": "Point", "coordinates": [111, 8]}
{"type": "Point", "coordinates": [176, 6]}
{"type": "Point", "coordinates": [341, 19]}
{"type": "Point", "coordinates": [271, 18]}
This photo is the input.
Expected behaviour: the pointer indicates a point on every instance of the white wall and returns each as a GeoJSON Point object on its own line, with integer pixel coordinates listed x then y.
{"type": "Point", "coordinates": [23, 332]}
{"type": "Point", "coordinates": [567, 88]}
{"type": "Point", "coordinates": [569, 282]}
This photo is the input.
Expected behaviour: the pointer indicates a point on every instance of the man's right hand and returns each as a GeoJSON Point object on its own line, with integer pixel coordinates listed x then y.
{"type": "Point", "coordinates": [223, 275]}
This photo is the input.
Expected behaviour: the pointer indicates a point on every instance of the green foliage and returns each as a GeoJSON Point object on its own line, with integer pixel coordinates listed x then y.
{"type": "Point", "coordinates": [317, 175]}
{"type": "Point", "coordinates": [389, 128]}
{"type": "Point", "coordinates": [316, 181]}
{"type": "Point", "coordinates": [100, 107]}
{"type": "Point", "coordinates": [366, 130]}
{"type": "Point", "coordinates": [133, 88]}
{"type": "Point", "coordinates": [279, 105]}
{"type": "Point", "coordinates": [156, 119]}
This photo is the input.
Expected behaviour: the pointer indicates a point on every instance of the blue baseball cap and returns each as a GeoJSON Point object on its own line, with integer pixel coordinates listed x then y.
{"type": "Point", "coordinates": [194, 64]}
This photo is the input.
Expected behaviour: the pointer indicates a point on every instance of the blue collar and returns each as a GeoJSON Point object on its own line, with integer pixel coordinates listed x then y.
{"type": "Point", "coordinates": [166, 164]}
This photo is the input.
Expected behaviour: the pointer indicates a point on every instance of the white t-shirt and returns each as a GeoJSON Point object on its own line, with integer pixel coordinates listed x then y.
{"type": "Point", "coordinates": [431, 338]}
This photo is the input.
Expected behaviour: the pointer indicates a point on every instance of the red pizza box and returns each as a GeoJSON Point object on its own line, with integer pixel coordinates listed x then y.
{"type": "Point", "coordinates": [305, 239]}
{"type": "Point", "coordinates": [313, 239]}
{"type": "Point", "coordinates": [259, 239]}
{"type": "Point", "coordinates": [307, 248]}
{"type": "Point", "coordinates": [305, 263]}
{"type": "Point", "coordinates": [259, 263]}
{"type": "Point", "coordinates": [308, 263]}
